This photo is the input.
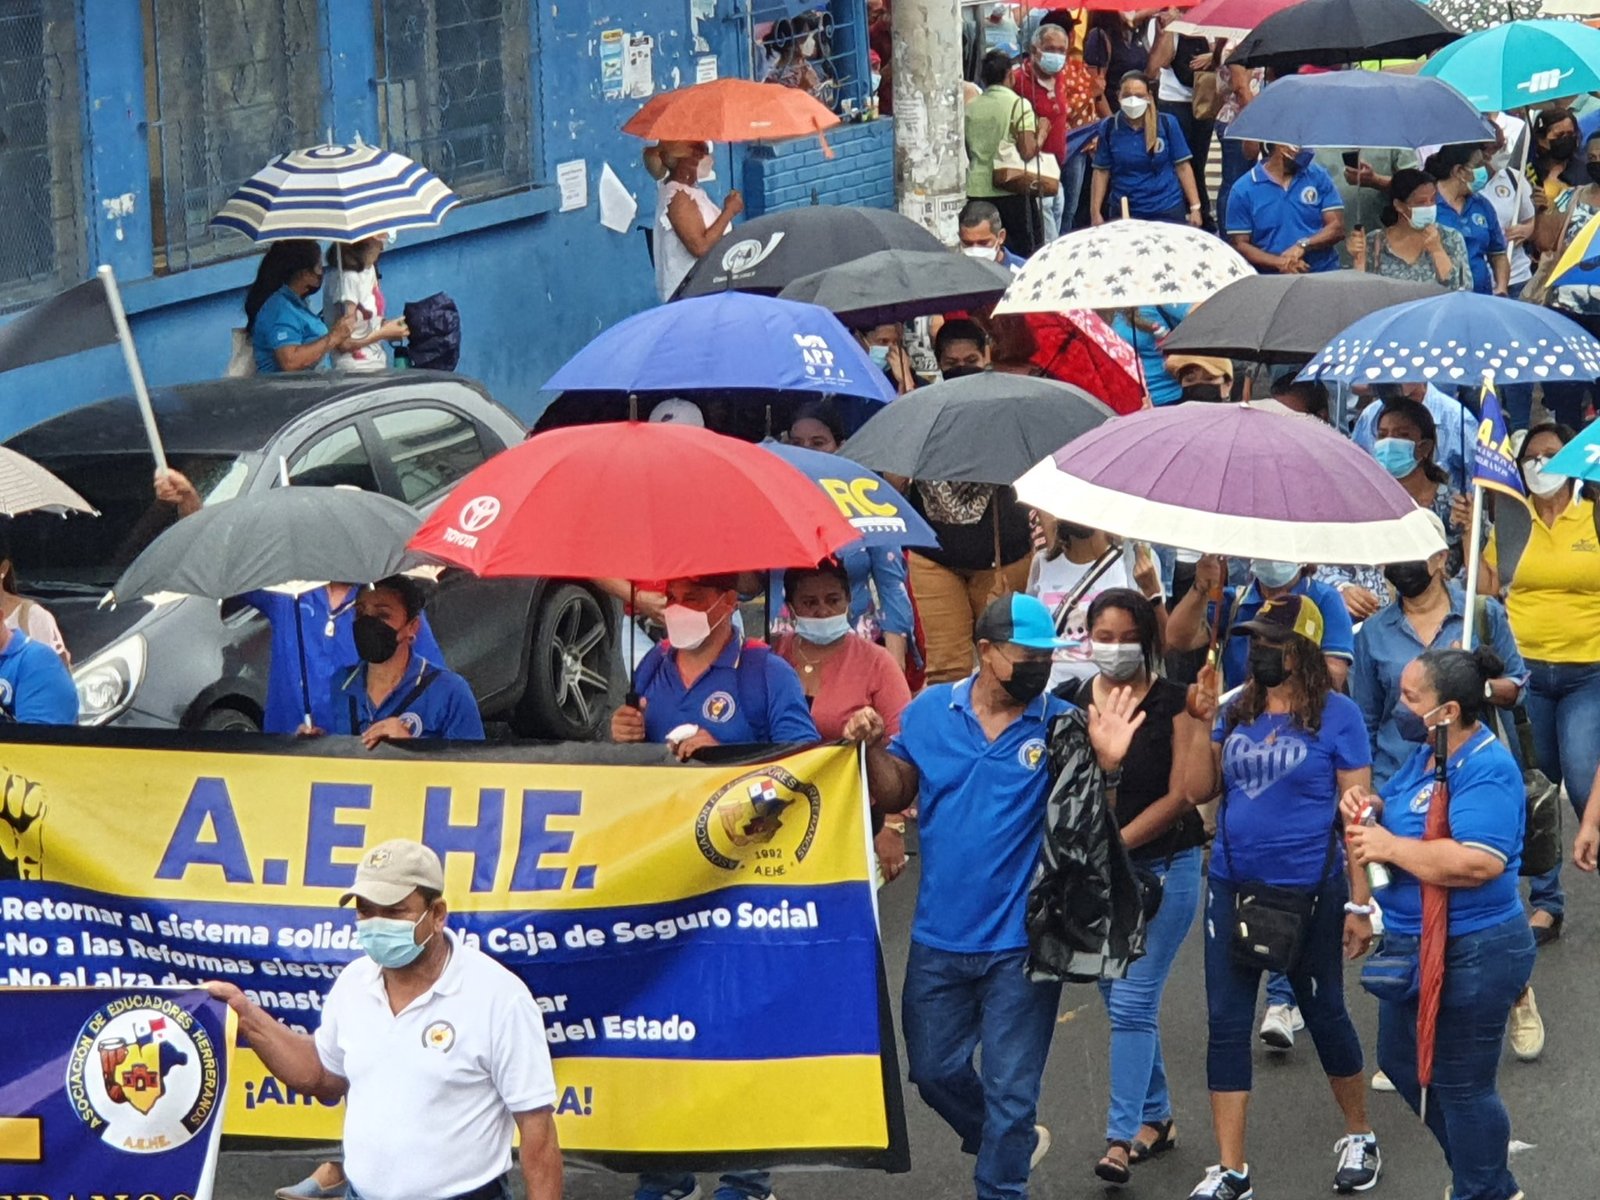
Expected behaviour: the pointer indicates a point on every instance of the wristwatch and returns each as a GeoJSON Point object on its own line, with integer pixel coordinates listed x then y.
{"type": "Point", "coordinates": [1304, 244]}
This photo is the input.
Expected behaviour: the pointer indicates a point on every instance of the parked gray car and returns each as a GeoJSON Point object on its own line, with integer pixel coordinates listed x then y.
{"type": "Point", "coordinates": [538, 653]}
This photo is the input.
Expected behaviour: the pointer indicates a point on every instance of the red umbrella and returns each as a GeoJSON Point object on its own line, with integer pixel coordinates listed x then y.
{"type": "Point", "coordinates": [633, 501]}
{"type": "Point", "coordinates": [1078, 347]}
{"type": "Point", "coordinates": [1226, 18]}
{"type": "Point", "coordinates": [1435, 922]}
{"type": "Point", "coordinates": [1127, 5]}
{"type": "Point", "coordinates": [730, 110]}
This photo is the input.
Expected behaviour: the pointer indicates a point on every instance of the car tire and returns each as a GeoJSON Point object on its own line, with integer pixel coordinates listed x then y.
{"type": "Point", "coordinates": [224, 719]}
{"type": "Point", "coordinates": [569, 668]}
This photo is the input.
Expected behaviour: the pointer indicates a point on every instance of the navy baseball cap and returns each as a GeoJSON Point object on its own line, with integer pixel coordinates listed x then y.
{"type": "Point", "coordinates": [1020, 619]}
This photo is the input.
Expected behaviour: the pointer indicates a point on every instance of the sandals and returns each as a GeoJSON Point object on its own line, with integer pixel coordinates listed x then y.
{"type": "Point", "coordinates": [1165, 1140]}
{"type": "Point", "coordinates": [1112, 1170]}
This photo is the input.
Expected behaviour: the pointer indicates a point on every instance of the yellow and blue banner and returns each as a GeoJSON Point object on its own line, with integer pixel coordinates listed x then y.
{"type": "Point", "coordinates": [695, 935]}
{"type": "Point", "coordinates": [1493, 463]}
{"type": "Point", "coordinates": [110, 1091]}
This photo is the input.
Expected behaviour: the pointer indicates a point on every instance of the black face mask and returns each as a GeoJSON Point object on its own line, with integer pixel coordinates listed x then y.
{"type": "Point", "coordinates": [962, 372]}
{"type": "Point", "coordinates": [1081, 532]}
{"type": "Point", "coordinates": [376, 639]}
{"type": "Point", "coordinates": [1267, 666]}
{"type": "Point", "coordinates": [1594, 171]}
{"type": "Point", "coordinates": [1564, 146]}
{"type": "Point", "coordinates": [1410, 579]}
{"type": "Point", "coordinates": [1028, 681]}
{"type": "Point", "coordinates": [1203, 393]}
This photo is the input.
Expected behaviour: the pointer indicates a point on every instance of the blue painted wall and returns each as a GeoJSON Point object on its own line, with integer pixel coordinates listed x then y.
{"type": "Point", "coordinates": [797, 173]}
{"type": "Point", "coordinates": [533, 284]}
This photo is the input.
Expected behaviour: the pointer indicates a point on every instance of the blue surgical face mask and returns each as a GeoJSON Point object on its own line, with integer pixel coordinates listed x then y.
{"type": "Point", "coordinates": [1412, 726]}
{"type": "Point", "coordinates": [1303, 159]}
{"type": "Point", "coordinates": [1398, 456]}
{"type": "Point", "coordinates": [822, 631]}
{"type": "Point", "coordinates": [391, 942]}
{"type": "Point", "coordinates": [1480, 178]}
{"type": "Point", "coordinates": [1424, 215]}
{"type": "Point", "coordinates": [879, 355]}
{"type": "Point", "coordinates": [1052, 62]}
{"type": "Point", "coordinates": [1270, 573]}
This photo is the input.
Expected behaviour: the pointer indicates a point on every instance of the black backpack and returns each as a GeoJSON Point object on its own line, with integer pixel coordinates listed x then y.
{"type": "Point", "coordinates": [435, 337]}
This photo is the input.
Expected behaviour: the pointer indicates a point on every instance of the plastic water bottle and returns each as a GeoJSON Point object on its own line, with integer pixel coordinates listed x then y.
{"type": "Point", "coordinates": [1378, 876]}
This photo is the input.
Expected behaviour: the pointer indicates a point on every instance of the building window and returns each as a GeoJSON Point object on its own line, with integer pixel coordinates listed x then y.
{"type": "Point", "coordinates": [41, 151]}
{"type": "Point", "coordinates": [455, 90]}
{"type": "Point", "coordinates": [229, 84]}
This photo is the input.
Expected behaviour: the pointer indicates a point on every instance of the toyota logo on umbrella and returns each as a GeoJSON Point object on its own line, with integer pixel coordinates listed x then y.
{"type": "Point", "coordinates": [479, 513]}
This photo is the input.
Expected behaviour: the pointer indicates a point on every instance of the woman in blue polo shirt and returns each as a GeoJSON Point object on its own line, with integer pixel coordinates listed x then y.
{"type": "Point", "coordinates": [1489, 952]}
{"type": "Point", "coordinates": [1141, 157]}
{"type": "Point", "coordinates": [284, 333]}
{"type": "Point", "coordinates": [1287, 747]}
{"type": "Point", "coordinates": [1462, 173]}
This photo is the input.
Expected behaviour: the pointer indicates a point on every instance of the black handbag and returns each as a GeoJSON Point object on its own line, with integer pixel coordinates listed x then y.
{"type": "Point", "coordinates": [1270, 923]}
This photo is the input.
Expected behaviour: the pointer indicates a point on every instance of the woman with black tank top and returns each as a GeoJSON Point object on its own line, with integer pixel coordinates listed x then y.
{"type": "Point", "coordinates": [1167, 772]}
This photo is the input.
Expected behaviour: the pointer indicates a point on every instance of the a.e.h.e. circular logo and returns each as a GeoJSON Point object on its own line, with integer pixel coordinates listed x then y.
{"type": "Point", "coordinates": [753, 811]}
{"type": "Point", "coordinates": [1031, 753]}
{"type": "Point", "coordinates": [144, 1074]}
{"type": "Point", "coordinates": [1309, 195]}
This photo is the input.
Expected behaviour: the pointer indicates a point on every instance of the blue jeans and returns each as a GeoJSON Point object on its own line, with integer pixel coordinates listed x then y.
{"type": "Point", "coordinates": [1073, 173]}
{"type": "Point", "coordinates": [1485, 972]}
{"type": "Point", "coordinates": [1280, 990]}
{"type": "Point", "coordinates": [1234, 166]}
{"type": "Point", "coordinates": [952, 1004]}
{"type": "Point", "coordinates": [734, 1183]}
{"type": "Point", "coordinates": [1564, 707]}
{"type": "Point", "coordinates": [1138, 1073]}
{"type": "Point", "coordinates": [1318, 980]}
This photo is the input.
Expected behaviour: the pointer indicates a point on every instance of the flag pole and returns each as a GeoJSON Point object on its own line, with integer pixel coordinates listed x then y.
{"type": "Point", "coordinates": [130, 356]}
{"type": "Point", "coordinates": [1469, 626]}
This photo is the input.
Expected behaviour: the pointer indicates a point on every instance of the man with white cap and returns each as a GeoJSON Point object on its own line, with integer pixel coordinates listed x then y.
{"type": "Point", "coordinates": [438, 1051]}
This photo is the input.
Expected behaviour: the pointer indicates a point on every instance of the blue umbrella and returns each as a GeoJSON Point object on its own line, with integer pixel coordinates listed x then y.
{"type": "Point", "coordinates": [1361, 110]}
{"type": "Point", "coordinates": [1455, 340]}
{"type": "Point", "coordinates": [1579, 458]}
{"type": "Point", "coordinates": [728, 341]}
{"type": "Point", "coordinates": [870, 503]}
{"type": "Point", "coordinates": [1521, 63]}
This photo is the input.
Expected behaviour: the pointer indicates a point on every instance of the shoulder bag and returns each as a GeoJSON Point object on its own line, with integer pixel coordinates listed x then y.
{"type": "Point", "coordinates": [1038, 176]}
{"type": "Point", "coordinates": [1270, 923]}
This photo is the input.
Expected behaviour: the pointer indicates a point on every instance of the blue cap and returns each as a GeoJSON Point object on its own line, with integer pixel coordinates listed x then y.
{"type": "Point", "coordinates": [1022, 620]}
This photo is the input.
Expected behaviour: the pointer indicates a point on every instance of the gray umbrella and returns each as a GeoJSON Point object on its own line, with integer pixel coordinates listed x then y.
{"type": "Point", "coordinates": [984, 428]}
{"type": "Point", "coordinates": [25, 486]}
{"type": "Point", "coordinates": [272, 540]}
{"type": "Point", "coordinates": [890, 286]}
{"type": "Point", "coordinates": [1287, 318]}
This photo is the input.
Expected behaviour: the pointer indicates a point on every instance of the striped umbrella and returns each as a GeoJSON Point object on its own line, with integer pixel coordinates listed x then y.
{"type": "Point", "coordinates": [25, 486]}
{"type": "Point", "coordinates": [340, 193]}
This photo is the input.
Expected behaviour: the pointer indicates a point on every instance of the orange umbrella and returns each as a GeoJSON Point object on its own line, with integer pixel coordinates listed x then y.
{"type": "Point", "coordinates": [730, 110]}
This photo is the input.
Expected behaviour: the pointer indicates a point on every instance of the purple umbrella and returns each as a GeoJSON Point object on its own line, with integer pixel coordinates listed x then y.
{"type": "Point", "coordinates": [1233, 479]}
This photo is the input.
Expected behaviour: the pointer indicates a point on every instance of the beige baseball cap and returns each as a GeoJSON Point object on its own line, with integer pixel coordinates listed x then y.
{"type": "Point", "coordinates": [391, 871]}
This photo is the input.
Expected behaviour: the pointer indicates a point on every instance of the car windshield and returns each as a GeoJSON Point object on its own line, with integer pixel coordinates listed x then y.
{"type": "Point", "coordinates": [81, 553]}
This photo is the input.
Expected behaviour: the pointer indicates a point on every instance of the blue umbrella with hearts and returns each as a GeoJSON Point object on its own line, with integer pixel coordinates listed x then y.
{"type": "Point", "coordinates": [1458, 340]}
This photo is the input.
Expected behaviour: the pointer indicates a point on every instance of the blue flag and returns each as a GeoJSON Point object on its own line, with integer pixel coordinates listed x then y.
{"type": "Point", "coordinates": [1493, 463]}
{"type": "Point", "coordinates": [1579, 458]}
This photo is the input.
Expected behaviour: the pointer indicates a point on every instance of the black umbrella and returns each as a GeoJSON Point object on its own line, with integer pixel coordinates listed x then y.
{"type": "Point", "coordinates": [1329, 33]}
{"type": "Point", "coordinates": [1287, 318]}
{"type": "Point", "coordinates": [897, 285]}
{"type": "Point", "coordinates": [290, 538]}
{"type": "Point", "coordinates": [769, 253]}
{"type": "Point", "coordinates": [985, 428]}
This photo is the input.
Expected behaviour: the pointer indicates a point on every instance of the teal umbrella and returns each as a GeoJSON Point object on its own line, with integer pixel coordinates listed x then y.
{"type": "Point", "coordinates": [1521, 63]}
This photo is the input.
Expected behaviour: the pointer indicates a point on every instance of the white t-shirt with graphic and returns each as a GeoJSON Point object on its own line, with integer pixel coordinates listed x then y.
{"type": "Point", "coordinates": [1052, 580]}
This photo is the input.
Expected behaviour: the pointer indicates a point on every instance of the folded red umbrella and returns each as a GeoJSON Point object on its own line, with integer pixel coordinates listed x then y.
{"type": "Point", "coordinates": [1435, 922]}
{"type": "Point", "coordinates": [632, 501]}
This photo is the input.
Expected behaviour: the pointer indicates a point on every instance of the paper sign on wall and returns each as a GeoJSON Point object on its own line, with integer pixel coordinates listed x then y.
{"type": "Point", "coordinates": [573, 179]}
{"type": "Point", "coordinates": [705, 69]}
{"type": "Point", "coordinates": [638, 78]}
{"type": "Point", "coordinates": [617, 205]}
{"type": "Point", "coordinates": [611, 51]}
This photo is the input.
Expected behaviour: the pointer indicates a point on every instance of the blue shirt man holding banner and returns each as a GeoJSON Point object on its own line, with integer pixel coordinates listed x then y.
{"type": "Point", "coordinates": [974, 754]}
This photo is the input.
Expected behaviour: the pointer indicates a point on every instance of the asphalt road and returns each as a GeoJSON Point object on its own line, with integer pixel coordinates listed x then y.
{"type": "Point", "coordinates": [1554, 1103]}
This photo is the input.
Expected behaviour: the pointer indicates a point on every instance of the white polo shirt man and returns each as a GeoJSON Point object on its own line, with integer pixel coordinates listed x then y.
{"type": "Point", "coordinates": [438, 1050]}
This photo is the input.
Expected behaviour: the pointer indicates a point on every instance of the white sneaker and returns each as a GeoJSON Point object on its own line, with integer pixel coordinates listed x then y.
{"type": "Point", "coordinates": [1280, 1025]}
{"type": "Point", "coordinates": [1381, 1082]}
{"type": "Point", "coordinates": [1527, 1028]}
{"type": "Point", "coordinates": [1041, 1146]}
